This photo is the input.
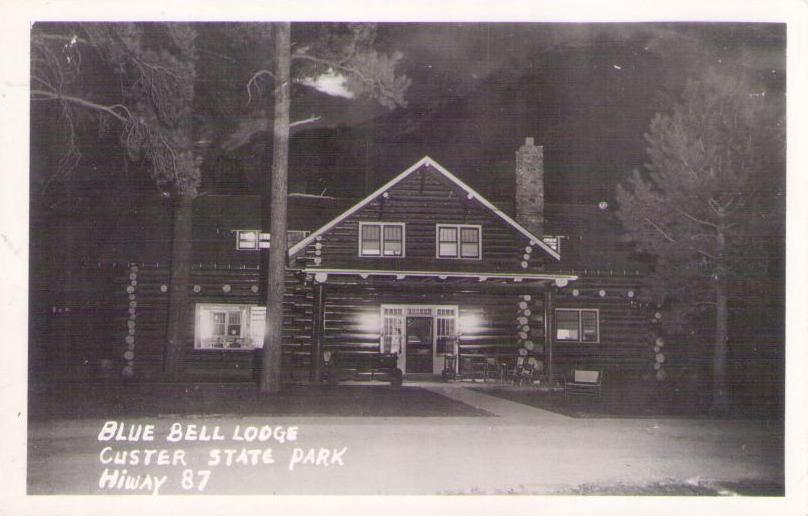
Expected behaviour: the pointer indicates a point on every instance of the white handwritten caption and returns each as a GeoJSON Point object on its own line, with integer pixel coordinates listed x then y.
{"type": "Point", "coordinates": [116, 478]}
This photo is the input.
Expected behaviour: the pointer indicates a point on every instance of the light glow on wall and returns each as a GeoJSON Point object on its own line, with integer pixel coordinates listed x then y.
{"type": "Point", "coordinates": [469, 323]}
{"type": "Point", "coordinates": [369, 322]}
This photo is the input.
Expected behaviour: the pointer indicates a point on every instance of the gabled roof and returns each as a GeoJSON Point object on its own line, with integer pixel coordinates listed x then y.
{"type": "Point", "coordinates": [429, 162]}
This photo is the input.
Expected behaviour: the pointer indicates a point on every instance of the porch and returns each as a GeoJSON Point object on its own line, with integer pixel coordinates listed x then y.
{"type": "Point", "coordinates": [452, 326]}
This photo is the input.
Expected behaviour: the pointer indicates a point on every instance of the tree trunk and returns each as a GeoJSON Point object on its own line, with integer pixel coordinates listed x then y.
{"type": "Point", "coordinates": [720, 398]}
{"type": "Point", "coordinates": [270, 380]}
{"type": "Point", "coordinates": [178, 284]}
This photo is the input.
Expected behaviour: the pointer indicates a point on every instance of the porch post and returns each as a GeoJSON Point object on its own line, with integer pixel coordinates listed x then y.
{"type": "Point", "coordinates": [549, 323]}
{"type": "Point", "coordinates": [317, 333]}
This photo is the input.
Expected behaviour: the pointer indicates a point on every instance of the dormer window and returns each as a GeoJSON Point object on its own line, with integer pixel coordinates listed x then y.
{"type": "Point", "coordinates": [247, 240]}
{"type": "Point", "coordinates": [383, 239]}
{"type": "Point", "coordinates": [553, 242]}
{"type": "Point", "coordinates": [253, 239]}
{"type": "Point", "coordinates": [459, 241]}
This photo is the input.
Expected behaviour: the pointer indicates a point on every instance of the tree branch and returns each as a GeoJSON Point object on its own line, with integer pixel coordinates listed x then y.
{"type": "Point", "coordinates": [694, 219]}
{"type": "Point", "coordinates": [60, 37]}
{"type": "Point", "coordinates": [252, 80]}
{"type": "Point", "coordinates": [82, 102]}
{"type": "Point", "coordinates": [312, 118]}
{"type": "Point", "coordinates": [674, 241]}
{"type": "Point", "coordinates": [661, 231]}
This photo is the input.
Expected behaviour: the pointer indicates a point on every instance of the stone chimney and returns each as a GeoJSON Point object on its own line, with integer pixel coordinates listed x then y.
{"type": "Point", "coordinates": [530, 187]}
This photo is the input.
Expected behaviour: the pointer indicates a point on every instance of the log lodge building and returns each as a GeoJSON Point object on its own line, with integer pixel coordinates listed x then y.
{"type": "Point", "coordinates": [424, 265]}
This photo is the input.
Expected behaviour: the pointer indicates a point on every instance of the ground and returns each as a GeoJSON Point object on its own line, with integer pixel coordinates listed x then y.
{"type": "Point", "coordinates": [428, 438]}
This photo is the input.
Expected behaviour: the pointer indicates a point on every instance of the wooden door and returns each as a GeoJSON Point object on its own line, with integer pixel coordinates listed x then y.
{"type": "Point", "coordinates": [419, 345]}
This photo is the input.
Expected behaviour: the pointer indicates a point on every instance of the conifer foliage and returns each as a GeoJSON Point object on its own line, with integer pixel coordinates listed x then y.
{"type": "Point", "coordinates": [709, 206]}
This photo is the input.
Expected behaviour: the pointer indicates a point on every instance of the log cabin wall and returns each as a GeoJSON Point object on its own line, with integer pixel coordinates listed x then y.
{"type": "Point", "coordinates": [141, 307]}
{"type": "Point", "coordinates": [420, 201]}
{"type": "Point", "coordinates": [628, 329]}
{"type": "Point", "coordinates": [353, 312]}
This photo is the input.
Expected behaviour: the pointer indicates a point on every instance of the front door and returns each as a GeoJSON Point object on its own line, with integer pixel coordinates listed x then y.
{"type": "Point", "coordinates": [418, 345]}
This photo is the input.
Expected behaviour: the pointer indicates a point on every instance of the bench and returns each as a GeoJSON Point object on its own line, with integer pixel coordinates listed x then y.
{"type": "Point", "coordinates": [362, 365]}
{"type": "Point", "coordinates": [584, 382]}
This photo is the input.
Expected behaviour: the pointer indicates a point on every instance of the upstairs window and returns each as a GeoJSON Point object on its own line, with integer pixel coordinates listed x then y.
{"type": "Point", "coordinates": [577, 325]}
{"type": "Point", "coordinates": [381, 239]}
{"type": "Point", "coordinates": [247, 240]}
{"type": "Point", "coordinates": [253, 239]}
{"type": "Point", "coordinates": [459, 241]}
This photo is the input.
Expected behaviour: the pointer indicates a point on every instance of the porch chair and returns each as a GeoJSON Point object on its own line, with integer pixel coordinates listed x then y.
{"type": "Point", "coordinates": [526, 370]}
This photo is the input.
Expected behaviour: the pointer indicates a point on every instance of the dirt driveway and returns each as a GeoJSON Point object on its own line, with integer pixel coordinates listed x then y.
{"type": "Point", "coordinates": [515, 449]}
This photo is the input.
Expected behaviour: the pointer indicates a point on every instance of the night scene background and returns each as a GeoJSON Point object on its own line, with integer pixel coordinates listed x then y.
{"type": "Point", "coordinates": [586, 92]}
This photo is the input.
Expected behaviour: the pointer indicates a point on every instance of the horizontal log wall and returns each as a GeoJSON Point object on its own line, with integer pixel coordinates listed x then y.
{"type": "Point", "coordinates": [626, 329]}
{"type": "Point", "coordinates": [421, 201]}
{"type": "Point", "coordinates": [353, 314]}
{"type": "Point", "coordinates": [206, 286]}
{"type": "Point", "coordinates": [627, 332]}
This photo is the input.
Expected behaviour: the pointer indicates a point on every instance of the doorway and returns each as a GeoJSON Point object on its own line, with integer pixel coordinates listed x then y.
{"type": "Point", "coordinates": [421, 334]}
{"type": "Point", "coordinates": [418, 345]}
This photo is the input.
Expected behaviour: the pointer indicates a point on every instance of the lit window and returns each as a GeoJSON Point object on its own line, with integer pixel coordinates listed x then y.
{"type": "Point", "coordinates": [577, 325]}
{"type": "Point", "coordinates": [253, 239]}
{"type": "Point", "coordinates": [381, 239]}
{"type": "Point", "coordinates": [459, 241]}
{"type": "Point", "coordinates": [247, 240]}
{"type": "Point", "coordinates": [553, 242]}
{"type": "Point", "coordinates": [229, 327]}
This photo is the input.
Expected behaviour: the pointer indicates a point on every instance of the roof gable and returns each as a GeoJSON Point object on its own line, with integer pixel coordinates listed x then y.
{"type": "Point", "coordinates": [428, 162]}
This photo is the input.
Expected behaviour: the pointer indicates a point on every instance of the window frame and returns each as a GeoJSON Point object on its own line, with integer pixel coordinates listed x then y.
{"type": "Point", "coordinates": [204, 342]}
{"type": "Point", "coordinates": [381, 226]}
{"type": "Point", "coordinates": [580, 312]}
{"type": "Point", "coordinates": [256, 240]}
{"type": "Point", "coordinates": [459, 241]}
{"type": "Point", "coordinates": [262, 239]}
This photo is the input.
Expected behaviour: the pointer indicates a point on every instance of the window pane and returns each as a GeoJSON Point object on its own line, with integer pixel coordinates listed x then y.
{"type": "Point", "coordinates": [589, 326]}
{"type": "Point", "coordinates": [247, 240]}
{"type": "Point", "coordinates": [257, 325]}
{"type": "Point", "coordinates": [470, 250]}
{"type": "Point", "coordinates": [234, 324]}
{"type": "Point", "coordinates": [393, 240]}
{"type": "Point", "coordinates": [448, 249]}
{"type": "Point", "coordinates": [218, 319]}
{"type": "Point", "coordinates": [370, 232]}
{"type": "Point", "coordinates": [392, 248]}
{"type": "Point", "coordinates": [448, 235]}
{"type": "Point", "coordinates": [447, 242]}
{"type": "Point", "coordinates": [392, 233]}
{"type": "Point", "coordinates": [371, 239]}
{"type": "Point", "coordinates": [469, 234]}
{"type": "Point", "coordinates": [566, 325]}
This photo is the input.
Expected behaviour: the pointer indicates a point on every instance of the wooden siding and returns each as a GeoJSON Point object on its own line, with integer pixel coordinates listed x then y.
{"type": "Point", "coordinates": [627, 332]}
{"type": "Point", "coordinates": [349, 304]}
{"type": "Point", "coordinates": [151, 319]}
{"type": "Point", "coordinates": [421, 201]}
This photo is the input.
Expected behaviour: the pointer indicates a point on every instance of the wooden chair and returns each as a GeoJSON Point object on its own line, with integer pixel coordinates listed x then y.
{"type": "Point", "coordinates": [584, 382]}
{"type": "Point", "coordinates": [472, 368]}
{"type": "Point", "coordinates": [527, 369]}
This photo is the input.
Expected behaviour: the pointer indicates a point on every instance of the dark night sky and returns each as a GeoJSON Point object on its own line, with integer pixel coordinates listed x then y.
{"type": "Point", "coordinates": [587, 92]}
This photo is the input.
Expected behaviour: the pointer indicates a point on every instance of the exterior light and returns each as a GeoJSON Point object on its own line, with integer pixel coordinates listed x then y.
{"type": "Point", "coordinates": [469, 324]}
{"type": "Point", "coordinates": [369, 322]}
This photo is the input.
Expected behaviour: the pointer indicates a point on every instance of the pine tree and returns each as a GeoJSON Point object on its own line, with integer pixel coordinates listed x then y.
{"type": "Point", "coordinates": [709, 206]}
